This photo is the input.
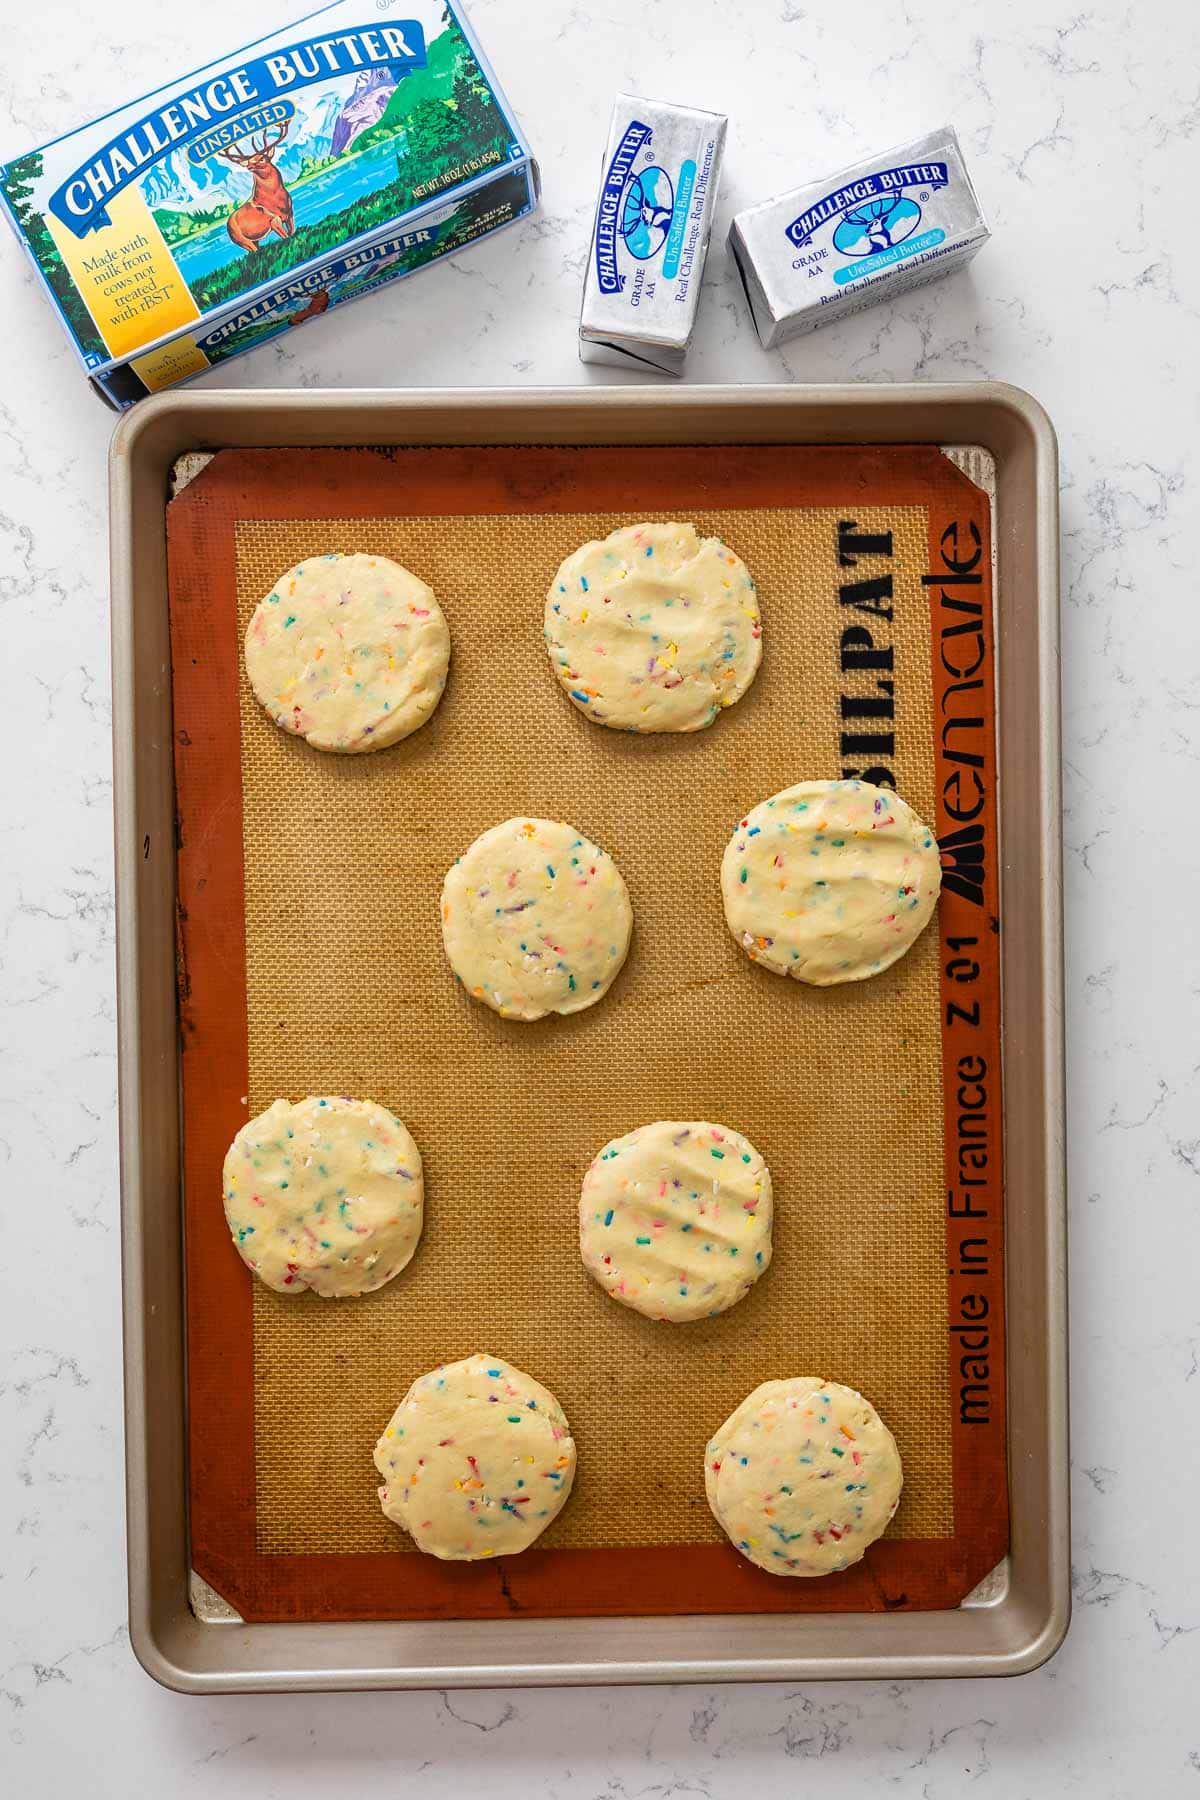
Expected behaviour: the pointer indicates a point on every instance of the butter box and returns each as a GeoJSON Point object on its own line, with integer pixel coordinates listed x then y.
{"type": "Point", "coordinates": [887, 224]}
{"type": "Point", "coordinates": [308, 168]}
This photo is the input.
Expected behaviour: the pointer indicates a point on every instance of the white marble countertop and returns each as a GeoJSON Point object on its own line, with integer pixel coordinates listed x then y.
{"type": "Point", "coordinates": [1081, 124]}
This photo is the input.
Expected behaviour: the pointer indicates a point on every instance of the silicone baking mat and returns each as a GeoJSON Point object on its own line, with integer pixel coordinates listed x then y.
{"type": "Point", "coordinates": [311, 962]}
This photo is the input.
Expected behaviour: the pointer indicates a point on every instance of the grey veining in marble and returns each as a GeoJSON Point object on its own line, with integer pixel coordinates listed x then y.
{"type": "Point", "coordinates": [1081, 126]}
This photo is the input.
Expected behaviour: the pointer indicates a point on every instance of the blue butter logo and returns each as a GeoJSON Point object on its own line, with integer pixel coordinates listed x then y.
{"type": "Point", "coordinates": [873, 212]}
{"type": "Point", "coordinates": [647, 208]}
{"type": "Point", "coordinates": [875, 225]}
{"type": "Point", "coordinates": [610, 211]}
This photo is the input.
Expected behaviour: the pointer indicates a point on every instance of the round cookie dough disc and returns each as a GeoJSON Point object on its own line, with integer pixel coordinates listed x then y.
{"type": "Point", "coordinates": [675, 1219]}
{"type": "Point", "coordinates": [476, 1460]}
{"type": "Point", "coordinates": [535, 919]}
{"type": "Point", "coordinates": [803, 1476]}
{"type": "Point", "coordinates": [830, 881]}
{"type": "Point", "coordinates": [327, 1194]}
{"type": "Point", "coordinates": [350, 652]}
{"type": "Point", "coordinates": [654, 629]}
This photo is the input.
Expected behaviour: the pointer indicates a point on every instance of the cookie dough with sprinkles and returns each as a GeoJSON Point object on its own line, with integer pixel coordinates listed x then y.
{"type": "Point", "coordinates": [830, 881]}
{"type": "Point", "coordinates": [350, 652]}
{"type": "Point", "coordinates": [654, 628]}
{"type": "Point", "coordinates": [535, 919]}
{"type": "Point", "coordinates": [675, 1219]}
{"type": "Point", "coordinates": [327, 1194]}
{"type": "Point", "coordinates": [803, 1476]}
{"type": "Point", "coordinates": [476, 1460]}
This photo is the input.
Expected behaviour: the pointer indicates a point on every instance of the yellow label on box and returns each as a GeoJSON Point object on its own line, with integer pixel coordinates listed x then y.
{"type": "Point", "coordinates": [126, 275]}
{"type": "Point", "coordinates": [170, 363]}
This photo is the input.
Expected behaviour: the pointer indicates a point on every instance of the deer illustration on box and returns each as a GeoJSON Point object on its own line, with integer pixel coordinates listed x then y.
{"type": "Point", "coordinates": [269, 208]}
{"type": "Point", "coordinates": [316, 304]}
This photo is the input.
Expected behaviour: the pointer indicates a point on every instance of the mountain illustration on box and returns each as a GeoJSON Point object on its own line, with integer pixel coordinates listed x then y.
{"type": "Point", "coordinates": [365, 107]}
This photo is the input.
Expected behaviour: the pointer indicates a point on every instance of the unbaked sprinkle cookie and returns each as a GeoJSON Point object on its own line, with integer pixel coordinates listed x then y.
{"type": "Point", "coordinates": [803, 1476]}
{"type": "Point", "coordinates": [830, 881]}
{"type": "Point", "coordinates": [476, 1460]}
{"type": "Point", "coordinates": [675, 1219]}
{"type": "Point", "coordinates": [654, 629]}
{"type": "Point", "coordinates": [535, 919]}
{"type": "Point", "coordinates": [350, 652]}
{"type": "Point", "coordinates": [327, 1194]}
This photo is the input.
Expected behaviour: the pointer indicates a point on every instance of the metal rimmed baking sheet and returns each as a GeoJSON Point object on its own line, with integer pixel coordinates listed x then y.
{"type": "Point", "coordinates": [1008, 1632]}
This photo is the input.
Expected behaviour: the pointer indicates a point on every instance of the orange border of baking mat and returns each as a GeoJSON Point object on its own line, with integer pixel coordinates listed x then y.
{"type": "Point", "coordinates": [897, 1574]}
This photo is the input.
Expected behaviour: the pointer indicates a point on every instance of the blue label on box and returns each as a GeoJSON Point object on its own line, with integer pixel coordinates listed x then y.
{"type": "Point", "coordinates": [886, 259]}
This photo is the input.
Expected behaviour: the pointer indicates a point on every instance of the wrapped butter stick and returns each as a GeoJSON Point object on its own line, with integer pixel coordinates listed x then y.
{"type": "Point", "coordinates": [874, 230]}
{"type": "Point", "coordinates": [653, 221]}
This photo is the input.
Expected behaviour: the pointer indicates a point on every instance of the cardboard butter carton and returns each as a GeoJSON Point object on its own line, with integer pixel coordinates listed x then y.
{"type": "Point", "coordinates": [311, 167]}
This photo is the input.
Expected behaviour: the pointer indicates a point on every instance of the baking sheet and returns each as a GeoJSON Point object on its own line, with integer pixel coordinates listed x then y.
{"type": "Point", "coordinates": [343, 987]}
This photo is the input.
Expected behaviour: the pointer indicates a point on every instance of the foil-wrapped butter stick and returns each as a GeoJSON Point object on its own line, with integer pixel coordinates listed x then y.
{"type": "Point", "coordinates": [871, 231]}
{"type": "Point", "coordinates": [654, 217]}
